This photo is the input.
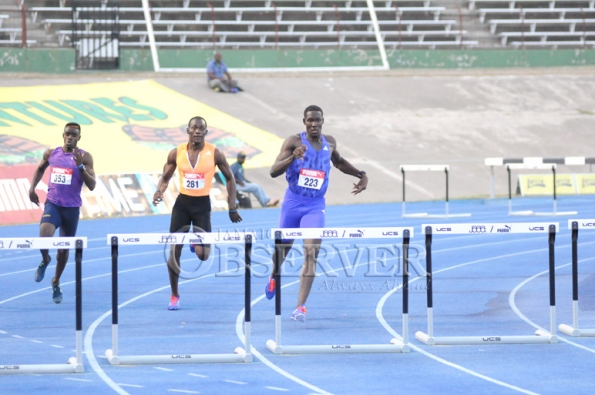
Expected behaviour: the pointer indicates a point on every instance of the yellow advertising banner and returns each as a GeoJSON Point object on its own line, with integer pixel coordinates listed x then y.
{"type": "Point", "coordinates": [566, 184]}
{"type": "Point", "coordinates": [585, 183]}
{"type": "Point", "coordinates": [535, 184]}
{"type": "Point", "coordinates": [128, 127]}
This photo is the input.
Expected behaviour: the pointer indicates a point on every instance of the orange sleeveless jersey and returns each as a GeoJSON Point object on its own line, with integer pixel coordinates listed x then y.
{"type": "Point", "coordinates": [197, 181]}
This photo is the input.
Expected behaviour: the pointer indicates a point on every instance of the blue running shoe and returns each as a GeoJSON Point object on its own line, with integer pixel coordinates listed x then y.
{"type": "Point", "coordinates": [193, 248]}
{"type": "Point", "coordinates": [174, 303]}
{"type": "Point", "coordinates": [299, 314]}
{"type": "Point", "coordinates": [57, 294]}
{"type": "Point", "coordinates": [269, 290]}
{"type": "Point", "coordinates": [40, 272]}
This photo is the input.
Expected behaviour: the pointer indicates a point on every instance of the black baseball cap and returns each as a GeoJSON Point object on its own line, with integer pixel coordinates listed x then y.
{"type": "Point", "coordinates": [241, 154]}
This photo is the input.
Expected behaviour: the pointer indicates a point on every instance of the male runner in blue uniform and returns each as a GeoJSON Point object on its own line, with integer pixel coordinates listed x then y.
{"type": "Point", "coordinates": [70, 167]}
{"type": "Point", "coordinates": [305, 159]}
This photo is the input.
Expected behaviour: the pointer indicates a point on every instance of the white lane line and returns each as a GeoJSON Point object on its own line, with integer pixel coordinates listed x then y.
{"type": "Point", "coordinates": [88, 343]}
{"type": "Point", "coordinates": [235, 382]}
{"type": "Point", "coordinates": [83, 380]}
{"type": "Point", "coordinates": [56, 346]}
{"type": "Point", "coordinates": [86, 262]}
{"type": "Point", "coordinates": [262, 358]}
{"type": "Point", "coordinates": [163, 369]}
{"type": "Point", "coordinates": [277, 389]}
{"type": "Point", "coordinates": [18, 337]}
{"type": "Point", "coordinates": [36, 341]}
{"type": "Point", "coordinates": [88, 347]}
{"type": "Point", "coordinates": [202, 376]}
{"type": "Point", "coordinates": [131, 385]}
{"type": "Point", "coordinates": [383, 322]}
{"type": "Point", "coordinates": [512, 303]}
{"type": "Point", "coordinates": [4, 333]}
{"type": "Point", "coordinates": [184, 391]}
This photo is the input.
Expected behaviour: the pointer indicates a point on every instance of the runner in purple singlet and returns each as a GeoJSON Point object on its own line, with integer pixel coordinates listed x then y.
{"type": "Point", "coordinates": [305, 159]}
{"type": "Point", "coordinates": [70, 167]}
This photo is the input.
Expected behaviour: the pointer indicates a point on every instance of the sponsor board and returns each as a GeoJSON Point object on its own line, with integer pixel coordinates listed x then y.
{"type": "Point", "coordinates": [585, 183]}
{"type": "Point", "coordinates": [117, 195]}
{"type": "Point", "coordinates": [566, 184]}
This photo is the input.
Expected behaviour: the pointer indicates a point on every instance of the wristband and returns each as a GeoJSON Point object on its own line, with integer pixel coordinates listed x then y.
{"type": "Point", "coordinates": [82, 167]}
{"type": "Point", "coordinates": [361, 174]}
{"type": "Point", "coordinates": [233, 211]}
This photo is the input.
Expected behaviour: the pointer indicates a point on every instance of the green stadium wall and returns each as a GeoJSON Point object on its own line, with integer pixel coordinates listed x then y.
{"type": "Point", "coordinates": [61, 61]}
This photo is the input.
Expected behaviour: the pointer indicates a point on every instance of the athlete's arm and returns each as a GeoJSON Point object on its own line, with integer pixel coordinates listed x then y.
{"type": "Point", "coordinates": [345, 167]}
{"type": "Point", "coordinates": [88, 174]}
{"type": "Point", "coordinates": [223, 166]}
{"type": "Point", "coordinates": [292, 149]}
{"type": "Point", "coordinates": [38, 174]}
{"type": "Point", "coordinates": [168, 172]}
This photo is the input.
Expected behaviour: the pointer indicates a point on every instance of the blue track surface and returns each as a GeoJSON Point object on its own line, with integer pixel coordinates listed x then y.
{"type": "Point", "coordinates": [483, 285]}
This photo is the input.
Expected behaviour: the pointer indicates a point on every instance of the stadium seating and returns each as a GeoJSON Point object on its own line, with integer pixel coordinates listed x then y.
{"type": "Point", "coordinates": [261, 24]}
{"type": "Point", "coordinates": [538, 23]}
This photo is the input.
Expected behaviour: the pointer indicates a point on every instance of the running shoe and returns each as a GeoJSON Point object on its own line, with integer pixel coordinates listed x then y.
{"type": "Point", "coordinates": [193, 248]}
{"type": "Point", "coordinates": [269, 290]}
{"type": "Point", "coordinates": [299, 314]}
{"type": "Point", "coordinates": [40, 272]}
{"type": "Point", "coordinates": [57, 294]}
{"type": "Point", "coordinates": [174, 303]}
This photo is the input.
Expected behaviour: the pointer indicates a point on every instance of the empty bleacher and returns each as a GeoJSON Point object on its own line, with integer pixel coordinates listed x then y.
{"type": "Point", "coordinates": [265, 24]}
{"type": "Point", "coordinates": [10, 27]}
{"type": "Point", "coordinates": [539, 23]}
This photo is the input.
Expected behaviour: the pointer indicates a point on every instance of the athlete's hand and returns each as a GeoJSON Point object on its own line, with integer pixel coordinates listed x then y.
{"type": "Point", "coordinates": [33, 197]}
{"type": "Point", "coordinates": [157, 198]}
{"type": "Point", "coordinates": [235, 217]}
{"type": "Point", "coordinates": [299, 152]}
{"type": "Point", "coordinates": [78, 156]}
{"type": "Point", "coordinates": [361, 185]}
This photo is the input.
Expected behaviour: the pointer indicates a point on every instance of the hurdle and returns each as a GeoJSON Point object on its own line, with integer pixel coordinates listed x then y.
{"type": "Point", "coordinates": [395, 345]}
{"type": "Point", "coordinates": [74, 364]}
{"type": "Point", "coordinates": [444, 168]}
{"type": "Point", "coordinates": [539, 166]}
{"type": "Point", "coordinates": [224, 237]}
{"type": "Point", "coordinates": [574, 330]}
{"type": "Point", "coordinates": [542, 336]}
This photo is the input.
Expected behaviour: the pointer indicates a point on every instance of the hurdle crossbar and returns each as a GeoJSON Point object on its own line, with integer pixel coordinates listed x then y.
{"type": "Point", "coordinates": [225, 237]}
{"type": "Point", "coordinates": [574, 330]}
{"type": "Point", "coordinates": [538, 166]}
{"type": "Point", "coordinates": [445, 168]}
{"type": "Point", "coordinates": [395, 345]}
{"type": "Point", "coordinates": [542, 336]}
{"type": "Point", "coordinates": [74, 364]}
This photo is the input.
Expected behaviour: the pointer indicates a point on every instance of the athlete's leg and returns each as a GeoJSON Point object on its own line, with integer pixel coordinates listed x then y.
{"type": "Point", "coordinates": [50, 221]}
{"type": "Point", "coordinates": [70, 221]}
{"type": "Point", "coordinates": [180, 222]}
{"type": "Point", "coordinates": [201, 218]}
{"type": "Point", "coordinates": [311, 249]}
{"type": "Point", "coordinates": [173, 267]}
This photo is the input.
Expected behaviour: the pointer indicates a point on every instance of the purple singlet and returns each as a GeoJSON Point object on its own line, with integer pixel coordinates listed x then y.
{"type": "Point", "coordinates": [66, 180]}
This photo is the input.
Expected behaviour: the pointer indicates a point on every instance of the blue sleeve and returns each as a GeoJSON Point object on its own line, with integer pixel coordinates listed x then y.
{"type": "Point", "coordinates": [210, 67]}
{"type": "Point", "coordinates": [235, 168]}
